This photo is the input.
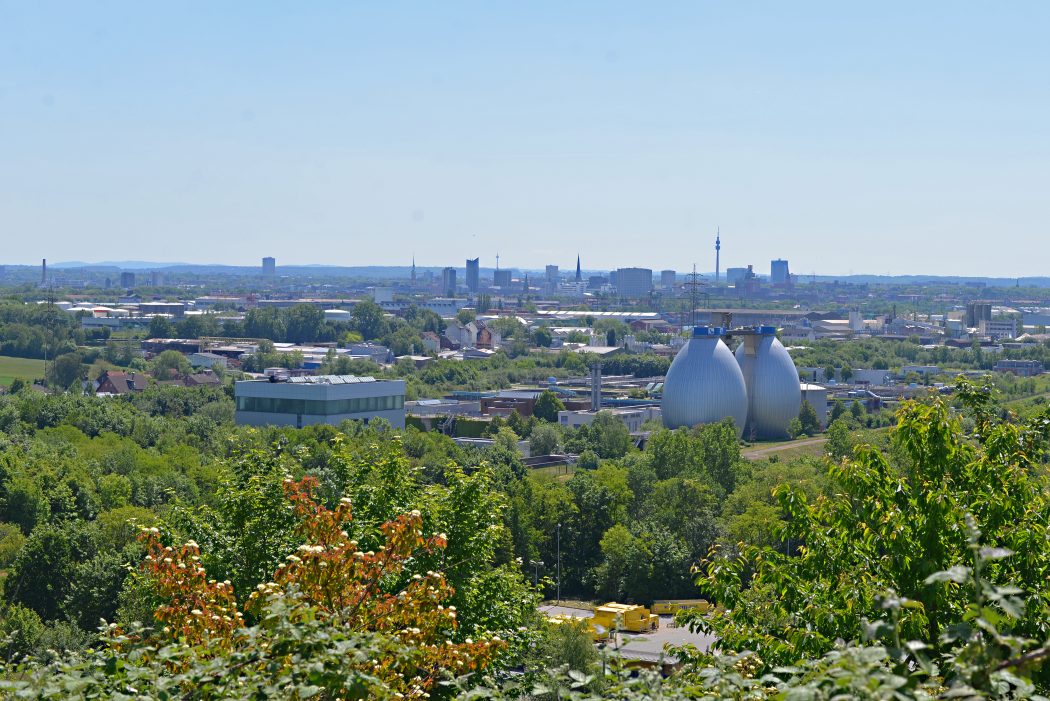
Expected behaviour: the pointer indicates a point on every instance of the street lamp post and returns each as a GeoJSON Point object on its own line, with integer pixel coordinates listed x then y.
{"type": "Point", "coordinates": [559, 563]}
{"type": "Point", "coordinates": [536, 565]}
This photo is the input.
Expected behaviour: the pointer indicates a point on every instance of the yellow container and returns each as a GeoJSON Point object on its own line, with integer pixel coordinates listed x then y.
{"type": "Point", "coordinates": [562, 619]}
{"type": "Point", "coordinates": [673, 606]}
{"type": "Point", "coordinates": [629, 617]}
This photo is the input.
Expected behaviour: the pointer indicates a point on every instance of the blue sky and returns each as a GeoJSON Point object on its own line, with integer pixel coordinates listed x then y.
{"type": "Point", "coordinates": [884, 138]}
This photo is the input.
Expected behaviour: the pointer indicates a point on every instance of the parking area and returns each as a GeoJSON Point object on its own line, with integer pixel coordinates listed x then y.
{"type": "Point", "coordinates": [644, 646]}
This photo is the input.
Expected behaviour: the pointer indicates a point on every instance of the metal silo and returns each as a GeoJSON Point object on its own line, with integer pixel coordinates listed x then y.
{"type": "Point", "coordinates": [773, 391]}
{"type": "Point", "coordinates": [704, 383]}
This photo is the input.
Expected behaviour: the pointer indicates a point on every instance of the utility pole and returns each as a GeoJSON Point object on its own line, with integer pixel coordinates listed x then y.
{"type": "Point", "coordinates": [694, 285]}
{"type": "Point", "coordinates": [49, 328]}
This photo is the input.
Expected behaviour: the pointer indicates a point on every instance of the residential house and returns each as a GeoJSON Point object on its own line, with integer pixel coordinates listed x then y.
{"type": "Point", "coordinates": [431, 342]}
{"type": "Point", "coordinates": [113, 382]}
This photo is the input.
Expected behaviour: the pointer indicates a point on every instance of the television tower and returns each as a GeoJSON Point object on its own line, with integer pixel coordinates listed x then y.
{"type": "Point", "coordinates": [718, 248]}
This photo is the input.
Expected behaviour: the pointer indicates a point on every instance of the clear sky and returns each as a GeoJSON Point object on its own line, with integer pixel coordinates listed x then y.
{"type": "Point", "coordinates": [890, 137]}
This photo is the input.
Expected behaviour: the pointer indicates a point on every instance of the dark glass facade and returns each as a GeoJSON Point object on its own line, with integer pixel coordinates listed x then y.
{"type": "Point", "coordinates": [318, 407]}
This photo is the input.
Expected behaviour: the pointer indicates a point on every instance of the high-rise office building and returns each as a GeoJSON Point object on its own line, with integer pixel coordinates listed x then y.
{"type": "Point", "coordinates": [634, 283]}
{"type": "Point", "coordinates": [779, 273]}
{"type": "Point", "coordinates": [976, 312]}
{"type": "Point", "coordinates": [552, 273]}
{"type": "Point", "coordinates": [269, 266]}
{"type": "Point", "coordinates": [735, 276]}
{"type": "Point", "coordinates": [502, 278]}
{"type": "Point", "coordinates": [127, 280]}
{"type": "Point", "coordinates": [472, 274]}
{"type": "Point", "coordinates": [667, 279]}
{"type": "Point", "coordinates": [448, 282]}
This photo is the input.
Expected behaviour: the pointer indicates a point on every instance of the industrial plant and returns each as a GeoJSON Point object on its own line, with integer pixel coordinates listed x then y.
{"type": "Point", "coordinates": [774, 394]}
{"type": "Point", "coordinates": [758, 388]}
{"type": "Point", "coordinates": [704, 383]}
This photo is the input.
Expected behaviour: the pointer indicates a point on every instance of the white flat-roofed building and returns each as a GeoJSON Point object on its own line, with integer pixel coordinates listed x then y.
{"type": "Point", "coordinates": [320, 399]}
{"type": "Point", "coordinates": [998, 328]}
{"type": "Point", "coordinates": [632, 417]}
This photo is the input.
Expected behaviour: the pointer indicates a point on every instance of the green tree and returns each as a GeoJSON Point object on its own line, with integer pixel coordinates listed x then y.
{"type": "Point", "coordinates": [265, 322]}
{"type": "Point", "coordinates": [43, 571]}
{"type": "Point", "coordinates": [466, 315]}
{"type": "Point", "coordinates": [838, 408]}
{"type": "Point", "coordinates": [542, 337]}
{"type": "Point", "coordinates": [304, 323]}
{"type": "Point", "coordinates": [114, 491]}
{"type": "Point", "coordinates": [610, 435]}
{"type": "Point", "coordinates": [11, 541]}
{"type": "Point", "coordinates": [884, 531]}
{"type": "Point", "coordinates": [547, 406]}
{"type": "Point", "coordinates": [66, 370]}
{"type": "Point", "coordinates": [369, 320]}
{"type": "Point", "coordinates": [809, 423]}
{"type": "Point", "coordinates": [588, 460]}
{"type": "Point", "coordinates": [567, 644]}
{"type": "Point", "coordinates": [601, 500]}
{"type": "Point", "coordinates": [160, 327]}
{"type": "Point", "coordinates": [508, 326]}
{"type": "Point", "coordinates": [840, 439]}
{"type": "Point", "coordinates": [20, 631]}
{"type": "Point", "coordinates": [545, 440]}
{"type": "Point", "coordinates": [170, 363]}
{"type": "Point", "coordinates": [625, 566]}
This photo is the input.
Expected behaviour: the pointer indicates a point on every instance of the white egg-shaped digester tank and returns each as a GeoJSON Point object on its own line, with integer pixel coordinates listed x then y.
{"type": "Point", "coordinates": [774, 394]}
{"type": "Point", "coordinates": [704, 383]}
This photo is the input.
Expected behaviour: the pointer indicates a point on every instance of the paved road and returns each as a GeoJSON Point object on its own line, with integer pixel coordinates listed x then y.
{"type": "Point", "coordinates": [766, 452]}
{"type": "Point", "coordinates": [644, 645]}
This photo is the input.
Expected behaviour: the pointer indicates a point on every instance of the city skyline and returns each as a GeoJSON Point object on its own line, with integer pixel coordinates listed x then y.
{"type": "Point", "coordinates": [876, 141]}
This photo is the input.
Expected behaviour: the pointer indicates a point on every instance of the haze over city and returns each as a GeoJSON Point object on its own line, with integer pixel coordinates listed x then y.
{"type": "Point", "coordinates": [890, 139]}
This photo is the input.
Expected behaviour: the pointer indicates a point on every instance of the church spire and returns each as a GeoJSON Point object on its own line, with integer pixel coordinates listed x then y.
{"type": "Point", "coordinates": [579, 273]}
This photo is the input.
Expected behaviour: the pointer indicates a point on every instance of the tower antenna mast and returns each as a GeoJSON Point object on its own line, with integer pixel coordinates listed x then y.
{"type": "Point", "coordinates": [718, 253]}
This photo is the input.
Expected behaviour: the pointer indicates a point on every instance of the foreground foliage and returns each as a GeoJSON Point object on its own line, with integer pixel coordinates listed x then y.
{"type": "Point", "coordinates": [354, 624]}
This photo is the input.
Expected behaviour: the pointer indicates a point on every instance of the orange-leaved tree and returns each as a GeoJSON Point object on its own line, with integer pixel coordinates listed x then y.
{"type": "Point", "coordinates": [328, 580]}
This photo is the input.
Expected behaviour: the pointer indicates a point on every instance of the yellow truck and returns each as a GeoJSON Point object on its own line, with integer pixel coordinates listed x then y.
{"type": "Point", "coordinates": [672, 606]}
{"type": "Point", "coordinates": [629, 617]}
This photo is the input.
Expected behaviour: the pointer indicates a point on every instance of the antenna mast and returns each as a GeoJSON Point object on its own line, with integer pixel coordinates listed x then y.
{"type": "Point", "coordinates": [718, 253]}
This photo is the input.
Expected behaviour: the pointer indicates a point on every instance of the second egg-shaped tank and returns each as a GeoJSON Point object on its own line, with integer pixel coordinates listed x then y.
{"type": "Point", "coordinates": [773, 391]}
{"type": "Point", "coordinates": [704, 383]}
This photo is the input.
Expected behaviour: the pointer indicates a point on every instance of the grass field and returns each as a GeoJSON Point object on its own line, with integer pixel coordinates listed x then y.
{"type": "Point", "coordinates": [786, 450]}
{"type": "Point", "coordinates": [19, 368]}
{"type": "Point", "coordinates": [561, 473]}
